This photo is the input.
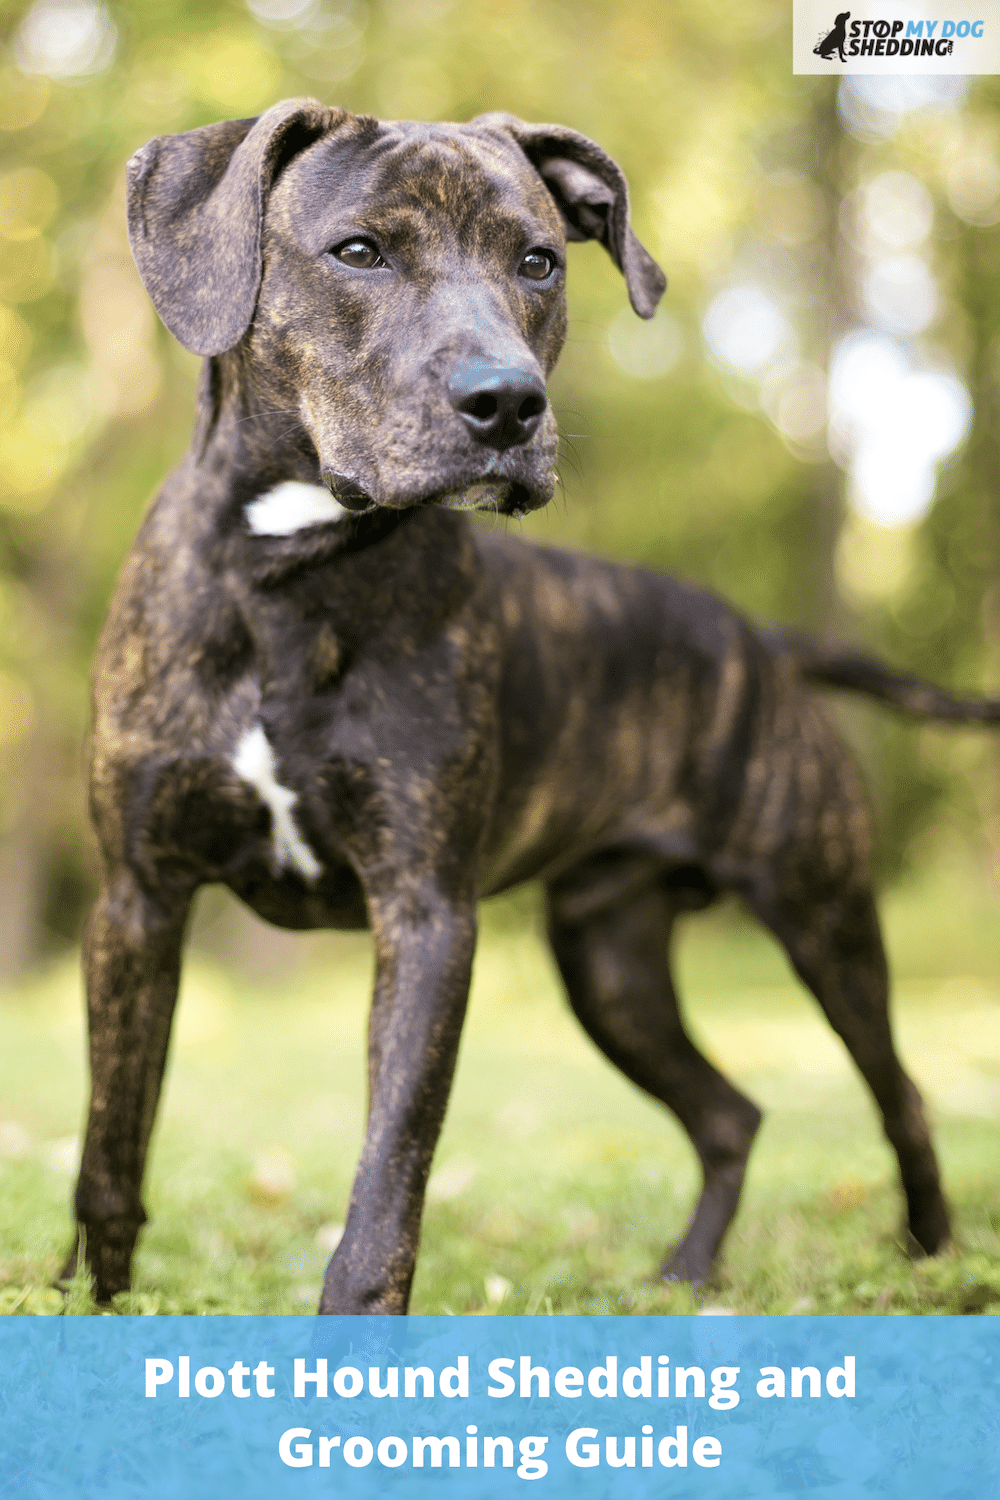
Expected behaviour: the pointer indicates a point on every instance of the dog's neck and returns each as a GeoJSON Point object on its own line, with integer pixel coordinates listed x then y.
{"type": "Point", "coordinates": [257, 483]}
{"type": "Point", "coordinates": [249, 430]}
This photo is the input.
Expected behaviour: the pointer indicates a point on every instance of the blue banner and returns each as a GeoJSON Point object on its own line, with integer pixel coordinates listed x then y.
{"type": "Point", "coordinates": [723, 1407]}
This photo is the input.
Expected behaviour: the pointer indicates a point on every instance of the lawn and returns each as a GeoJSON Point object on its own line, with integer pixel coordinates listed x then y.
{"type": "Point", "coordinates": [557, 1186]}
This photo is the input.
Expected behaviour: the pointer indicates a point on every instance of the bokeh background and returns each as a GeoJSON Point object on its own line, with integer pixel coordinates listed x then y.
{"type": "Point", "coordinates": [809, 425]}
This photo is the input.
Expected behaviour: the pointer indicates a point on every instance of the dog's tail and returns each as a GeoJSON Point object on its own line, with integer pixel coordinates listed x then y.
{"type": "Point", "coordinates": [842, 667]}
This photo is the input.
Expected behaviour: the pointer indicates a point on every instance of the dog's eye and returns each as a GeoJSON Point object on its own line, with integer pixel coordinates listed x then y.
{"type": "Point", "coordinates": [361, 254]}
{"type": "Point", "coordinates": [537, 265]}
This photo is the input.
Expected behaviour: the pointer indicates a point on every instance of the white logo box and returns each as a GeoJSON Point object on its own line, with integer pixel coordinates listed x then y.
{"type": "Point", "coordinates": [896, 36]}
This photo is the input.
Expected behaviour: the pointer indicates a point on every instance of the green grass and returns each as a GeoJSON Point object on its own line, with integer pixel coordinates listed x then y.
{"type": "Point", "coordinates": [557, 1186]}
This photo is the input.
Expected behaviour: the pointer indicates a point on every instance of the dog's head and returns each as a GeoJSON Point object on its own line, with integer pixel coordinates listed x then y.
{"type": "Point", "coordinates": [393, 293]}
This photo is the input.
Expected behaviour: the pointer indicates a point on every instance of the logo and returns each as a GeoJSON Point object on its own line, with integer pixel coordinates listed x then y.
{"type": "Point", "coordinates": [835, 39]}
{"type": "Point", "coordinates": [883, 38]}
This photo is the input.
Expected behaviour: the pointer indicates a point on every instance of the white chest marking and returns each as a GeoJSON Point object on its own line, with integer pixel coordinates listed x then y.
{"type": "Point", "coordinates": [292, 506]}
{"type": "Point", "coordinates": [254, 763]}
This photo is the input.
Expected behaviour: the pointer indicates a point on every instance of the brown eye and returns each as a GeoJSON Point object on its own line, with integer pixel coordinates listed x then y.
{"type": "Point", "coordinates": [537, 265]}
{"type": "Point", "coordinates": [360, 254]}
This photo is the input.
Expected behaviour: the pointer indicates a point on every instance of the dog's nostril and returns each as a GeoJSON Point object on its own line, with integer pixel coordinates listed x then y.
{"type": "Point", "coordinates": [532, 406]}
{"type": "Point", "coordinates": [483, 407]}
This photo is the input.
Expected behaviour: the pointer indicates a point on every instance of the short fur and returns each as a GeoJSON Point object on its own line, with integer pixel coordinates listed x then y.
{"type": "Point", "coordinates": [380, 717]}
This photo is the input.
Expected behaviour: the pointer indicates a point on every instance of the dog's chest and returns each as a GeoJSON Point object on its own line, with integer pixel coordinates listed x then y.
{"type": "Point", "coordinates": [323, 757]}
{"type": "Point", "coordinates": [254, 762]}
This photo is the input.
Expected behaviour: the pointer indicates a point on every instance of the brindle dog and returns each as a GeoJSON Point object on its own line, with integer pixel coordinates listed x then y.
{"type": "Point", "coordinates": [322, 686]}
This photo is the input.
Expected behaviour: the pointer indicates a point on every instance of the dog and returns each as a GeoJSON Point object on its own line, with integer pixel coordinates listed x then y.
{"type": "Point", "coordinates": [320, 684]}
{"type": "Point", "coordinates": [834, 39]}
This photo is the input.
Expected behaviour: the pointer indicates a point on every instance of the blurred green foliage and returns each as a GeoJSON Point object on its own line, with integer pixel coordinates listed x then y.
{"type": "Point", "coordinates": [730, 159]}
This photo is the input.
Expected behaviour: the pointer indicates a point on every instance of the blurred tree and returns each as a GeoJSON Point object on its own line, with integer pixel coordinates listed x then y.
{"type": "Point", "coordinates": [684, 447]}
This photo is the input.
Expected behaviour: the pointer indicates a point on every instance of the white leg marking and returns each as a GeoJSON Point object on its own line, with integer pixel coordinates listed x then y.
{"type": "Point", "coordinates": [254, 762]}
{"type": "Point", "coordinates": [292, 506]}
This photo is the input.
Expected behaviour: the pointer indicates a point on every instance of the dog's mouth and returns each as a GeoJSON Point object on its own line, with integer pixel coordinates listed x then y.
{"type": "Point", "coordinates": [502, 496]}
{"type": "Point", "coordinates": [348, 493]}
{"type": "Point", "coordinates": [499, 495]}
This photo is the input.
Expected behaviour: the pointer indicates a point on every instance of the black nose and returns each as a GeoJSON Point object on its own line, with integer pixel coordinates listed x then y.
{"type": "Point", "coordinates": [501, 407]}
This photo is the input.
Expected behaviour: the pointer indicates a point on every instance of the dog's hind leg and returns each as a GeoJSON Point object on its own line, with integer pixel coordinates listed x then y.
{"type": "Point", "coordinates": [613, 953]}
{"type": "Point", "coordinates": [132, 962]}
{"type": "Point", "coordinates": [835, 945]}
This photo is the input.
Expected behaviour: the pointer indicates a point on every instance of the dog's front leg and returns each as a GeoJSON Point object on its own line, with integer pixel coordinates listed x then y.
{"type": "Point", "coordinates": [424, 943]}
{"type": "Point", "coordinates": [132, 961]}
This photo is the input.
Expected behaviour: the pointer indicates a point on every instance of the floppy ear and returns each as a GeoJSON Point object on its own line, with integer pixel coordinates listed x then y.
{"type": "Point", "coordinates": [195, 207]}
{"type": "Point", "coordinates": [592, 196]}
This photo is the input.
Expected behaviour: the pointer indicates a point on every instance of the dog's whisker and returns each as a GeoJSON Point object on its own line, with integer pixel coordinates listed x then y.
{"type": "Point", "coordinates": [256, 416]}
{"type": "Point", "coordinates": [569, 456]}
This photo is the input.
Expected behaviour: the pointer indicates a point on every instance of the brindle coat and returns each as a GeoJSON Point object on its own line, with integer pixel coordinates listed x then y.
{"type": "Point", "coordinates": [371, 712]}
